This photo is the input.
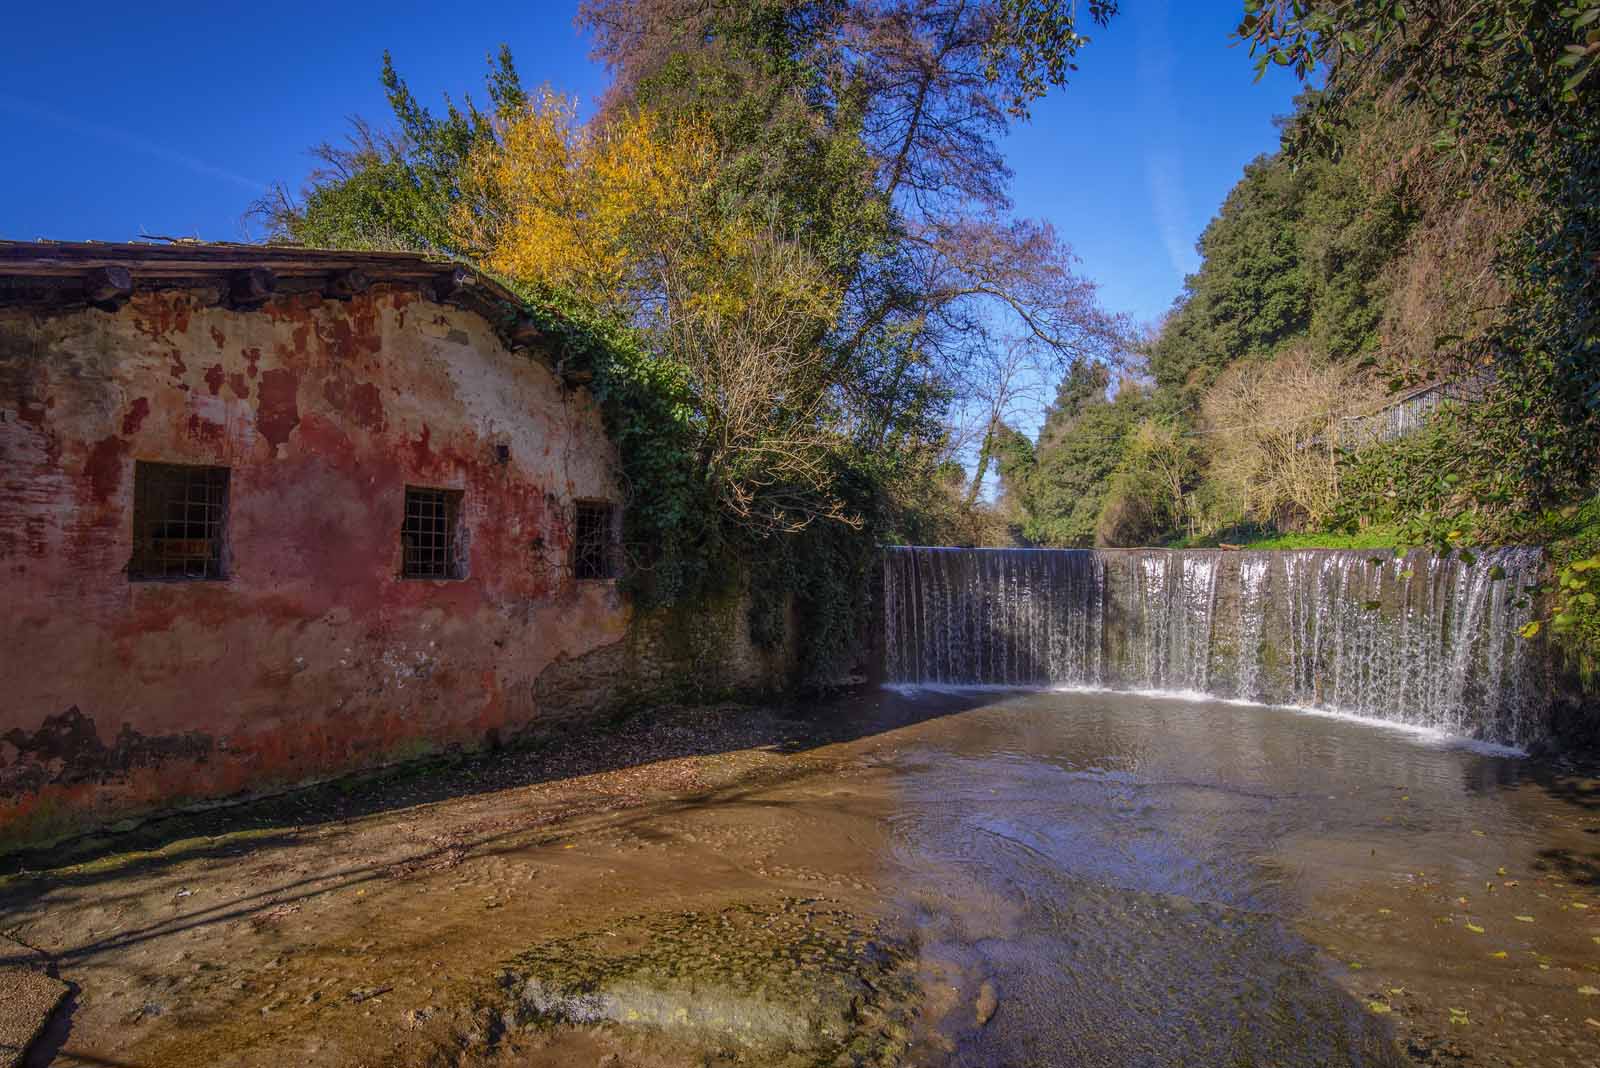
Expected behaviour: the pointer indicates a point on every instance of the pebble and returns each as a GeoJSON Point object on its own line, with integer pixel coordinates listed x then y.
{"type": "Point", "coordinates": [988, 1001]}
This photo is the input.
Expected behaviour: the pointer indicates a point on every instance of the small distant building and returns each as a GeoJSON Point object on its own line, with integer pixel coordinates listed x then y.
{"type": "Point", "coordinates": [268, 514]}
{"type": "Point", "coordinates": [1407, 412]}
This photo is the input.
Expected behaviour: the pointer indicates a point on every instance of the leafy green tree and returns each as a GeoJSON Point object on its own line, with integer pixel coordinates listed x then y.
{"type": "Point", "coordinates": [1083, 440]}
{"type": "Point", "coordinates": [1251, 292]}
{"type": "Point", "coordinates": [1015, 460]}
{"type": "Point", "coordinates": [1512, 103]}
{"type": "Point", "coordinates": [1147, 497]}
{"type": "Point", "coordinates": [394, 189]}
{"type": "Point", "coordinates": [936, 273]}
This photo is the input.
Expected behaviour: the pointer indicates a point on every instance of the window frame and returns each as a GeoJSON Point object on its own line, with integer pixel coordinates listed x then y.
{"type": "Point", "coordinates": [608, 568]}
{"type": "Point", "coordinates": [453, 553]}
{"type": "Point", "coordinates": [215, 481]}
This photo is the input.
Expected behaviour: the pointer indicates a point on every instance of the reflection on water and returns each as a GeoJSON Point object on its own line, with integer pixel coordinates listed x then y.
{"type": "Point", "coordinates": [1121, 872]}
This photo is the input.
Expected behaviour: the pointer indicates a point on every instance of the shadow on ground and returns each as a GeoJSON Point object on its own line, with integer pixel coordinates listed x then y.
{"type": "Point", "coordinates": [257, 828]}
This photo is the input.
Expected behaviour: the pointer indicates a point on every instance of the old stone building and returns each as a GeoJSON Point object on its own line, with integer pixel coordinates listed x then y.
{"type": "Point", "coordinates": [270, 514]}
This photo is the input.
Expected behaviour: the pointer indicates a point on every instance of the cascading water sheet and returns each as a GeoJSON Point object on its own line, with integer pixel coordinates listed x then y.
{"type": "Point", "coordinates": [1250, 618]}
{"type": "Point", "coordinates": [1013, 617]}
{"type": "Point", "coordinates": [1421, 639]}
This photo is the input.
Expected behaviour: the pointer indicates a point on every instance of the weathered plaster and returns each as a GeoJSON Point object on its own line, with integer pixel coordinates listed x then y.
{"type": "Point", "coordinates": [313, 656]}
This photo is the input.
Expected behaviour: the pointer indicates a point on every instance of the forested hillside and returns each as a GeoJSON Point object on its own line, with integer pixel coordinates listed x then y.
{"type": "Point", "coordinates": [1432, 218]}
{"type": "Point", "coordinates": [1318, 275]}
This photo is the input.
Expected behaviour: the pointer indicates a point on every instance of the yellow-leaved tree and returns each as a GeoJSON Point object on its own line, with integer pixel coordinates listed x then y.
{"type": "Point", "coordinates": [630, 214]}
{"type": "Point", "coordinates": [597, 210]}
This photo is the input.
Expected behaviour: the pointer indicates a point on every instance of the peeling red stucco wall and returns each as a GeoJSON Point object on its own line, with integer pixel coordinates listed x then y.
{"type": "Point", "coordinates": [313, 656]}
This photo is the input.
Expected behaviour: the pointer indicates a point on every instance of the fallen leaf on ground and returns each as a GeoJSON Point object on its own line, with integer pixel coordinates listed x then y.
{"type": "Point", "coordinates": [1474, 928]}
{"type": "Point", "coordinates": [1524, 919]}
{"type": "Point", "coordinates": [1379, 1007]}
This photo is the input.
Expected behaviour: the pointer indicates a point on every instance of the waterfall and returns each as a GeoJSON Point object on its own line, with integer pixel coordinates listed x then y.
{"type": "Point", "coordinates": [1416, 639]}
{"type": "Point", "coordinates": [1250, 619]}
{"type": "Point", "coordinates": [1014, 617]}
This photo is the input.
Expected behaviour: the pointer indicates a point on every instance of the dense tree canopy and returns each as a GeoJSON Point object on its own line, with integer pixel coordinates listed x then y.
{"type": "Point", "coordinates": [1062, 483]}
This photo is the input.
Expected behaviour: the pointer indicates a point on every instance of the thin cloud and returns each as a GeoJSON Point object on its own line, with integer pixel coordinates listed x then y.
{"type": "Point", "coordinates": [1164, 175]}
{"type": "Point", "coordinates": [28, 109]}
{"type": "Point", "coordinates": [1162, 165]}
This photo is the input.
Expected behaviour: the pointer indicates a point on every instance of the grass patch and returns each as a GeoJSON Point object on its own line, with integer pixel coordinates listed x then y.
{"type": "Point", "coordinates": [1366, 539]}
{"type": "Point", "coordinates": [1266, 538]}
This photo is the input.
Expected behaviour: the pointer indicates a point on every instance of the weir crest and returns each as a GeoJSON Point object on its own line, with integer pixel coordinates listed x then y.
{"type": "Point", "coordinates": [1415, 639]}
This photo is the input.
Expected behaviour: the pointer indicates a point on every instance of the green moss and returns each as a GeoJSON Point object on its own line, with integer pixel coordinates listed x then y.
{"type": "Point", "coordinates": [1574, 534]}
{"type": "Point", "coordinates": [1373, 538]}
{"type": "Point", "coordinates": [411, 750]}
{"type": "Point", "coordinates": [46, 823]}
{"type": "Point", "coordinates": [798, 976]}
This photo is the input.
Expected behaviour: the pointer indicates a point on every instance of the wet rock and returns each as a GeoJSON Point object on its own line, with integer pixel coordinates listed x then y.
{"type": "Point", "coordinates": [775, 980]}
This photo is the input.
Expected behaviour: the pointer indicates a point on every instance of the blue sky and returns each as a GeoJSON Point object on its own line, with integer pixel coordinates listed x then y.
{"type": "Point", "coordinates": [171, 118]}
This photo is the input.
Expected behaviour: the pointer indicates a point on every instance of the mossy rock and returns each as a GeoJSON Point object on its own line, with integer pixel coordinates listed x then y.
{"type": "Point", "coordinates": [799, 980]}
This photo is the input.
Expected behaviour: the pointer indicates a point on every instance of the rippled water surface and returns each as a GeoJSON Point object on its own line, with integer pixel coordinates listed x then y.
{"type": "Point", "coordinates": [1128, 875]}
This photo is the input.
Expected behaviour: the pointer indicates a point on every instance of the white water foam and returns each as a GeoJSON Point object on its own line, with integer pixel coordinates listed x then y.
{"type": "Point", "coordinates": [1418, 641]}
{"type": "Point", "coordinates": [1431, 737]}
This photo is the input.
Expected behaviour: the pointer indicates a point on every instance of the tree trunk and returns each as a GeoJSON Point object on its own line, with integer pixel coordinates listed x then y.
{"type": "Point", "coordinates": [983, 463]}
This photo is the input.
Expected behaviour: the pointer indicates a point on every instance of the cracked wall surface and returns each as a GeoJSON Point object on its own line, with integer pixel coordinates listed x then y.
{"type": "Point", "coordinates": [313, 656]}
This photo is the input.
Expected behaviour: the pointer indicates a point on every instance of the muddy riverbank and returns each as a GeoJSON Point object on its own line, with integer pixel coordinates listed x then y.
{"type": "Point", "coordinates": [893, 879]}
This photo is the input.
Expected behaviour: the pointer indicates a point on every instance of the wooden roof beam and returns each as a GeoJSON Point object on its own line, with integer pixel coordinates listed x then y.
{"type": "Point", "coordinates": [107, 287]}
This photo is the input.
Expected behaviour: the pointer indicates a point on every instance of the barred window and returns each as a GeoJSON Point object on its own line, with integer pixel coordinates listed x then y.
{"type": "Point", "coordinates": [430, 535]}
{"type": "Point", "coordinates": [593, 553]}
{"type": "Point", "coordinates": [180, 515]}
